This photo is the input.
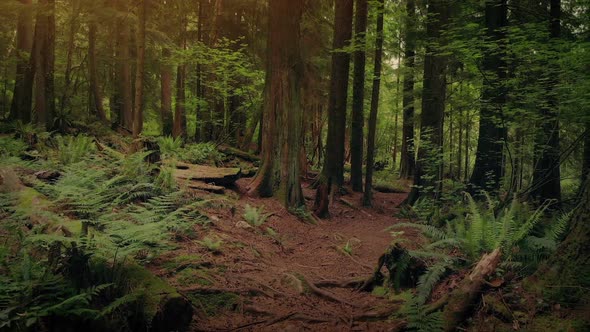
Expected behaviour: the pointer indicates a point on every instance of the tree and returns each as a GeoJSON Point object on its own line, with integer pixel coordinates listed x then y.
{"type": "Point", "coordinates": [166, 93]}
{"type": "Point", "coordinates": [358, 94]}
{"type": "Point", "coordinates": [408, 162]}
{"type": "Point", "coordinates": [23, 83]}
{"type": "Point", "coordinates": [282, 129]}
{"type": "Point", "coordinates": [332, 176]}
{"type": "Point", "coordinates": [492, 131]}
{"type": "Point", "coordinates": [123, 99]}
{"type": "Point", "coordinates": [427, 178]}
{"type": "Point", "coordinates": [547, 175]}
{"type": "Point", "coordinates": [44, 63]}
{"type": "Point", "coordinates": [368, 195]}
{"type": "Point", "coordinates": [140, 70]}
{"type": "Point", "coordinates": [93, 71]}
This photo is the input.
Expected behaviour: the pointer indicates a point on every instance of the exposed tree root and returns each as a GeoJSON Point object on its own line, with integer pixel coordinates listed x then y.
{"type": "Point", "coordinates": [340, 283]}
{"type": "Point", "coordinates": [244, 291]}
{"type": "Point", "coordinates": [324, 294]}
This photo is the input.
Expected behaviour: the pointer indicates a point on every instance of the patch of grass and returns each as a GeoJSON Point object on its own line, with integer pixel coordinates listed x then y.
{"type": "Point", "coordinates": [178, 261]}
{"type": "Point", "coordinates": [255, 216]}
{"type": "Point", "coordinates": [212, 243]}
{"type": "Point", "coordinates": [212, 304]}
{"type": "Point", "coordinates": [191, 276]}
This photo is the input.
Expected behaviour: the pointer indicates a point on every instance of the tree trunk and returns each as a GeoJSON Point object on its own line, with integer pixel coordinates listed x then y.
{"type": "Point", "coordinates": [283, 115]}
{"type": "Point", "coordinates": [427, 178]}
{"type": "Point", "coordinates": [368, 195]}
{"type": "Point", "coordinates": [586, 158]}
{"type": "Point", "coordinates": [199, 123]}
{"type": "Point", "coordinates": [93, 72]}
{"type": "Point", "coordinates": [408, 162]}
{"type": "Point", "coordinates": [44, 64]}
{"type": "Point", "coordinates": [69, 55]}
{"type": "Point", "coordinates": [123, 95]}
{"type": "Point", "coordinates": [140, 70]}
{"type": "Point", "coordinates": [333, 170]}
{"type": "Point", "coordinates": [492, 133]}
{"type": "Point", "coordinates": [547, 175]}
{"type": "Point", "coordinates": [179, 129]}
{"type": "Point", "coordinates": [358, 94]}
{"type": "Point", "coordinates": [166, 93]}
{"type": "Point", "coordinates": [23, 83]}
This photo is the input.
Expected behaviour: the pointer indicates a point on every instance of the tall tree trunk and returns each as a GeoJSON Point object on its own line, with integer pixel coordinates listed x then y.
{"type": "Point", "coordinates": [586, 159]}
{"type": "Point", "coordinates": [199, 123]}
{"type": "Point", "coordinates": [427, 178]}
{"type": "Point", "coordinates": [492, 133]}
{"type": "Point", "coordinates": [368, 195]}
{"type": "Point", "coordinates": [23, 84]}
{"type": "Point", "coordinates": [44, 64]}
{"type": "Point", "coordinates": [333, 171]}
{"type": "Point", "coordinates": [93, 72]}
{"type": "Point", "coordinates": [69, 55]}
{"type": "Point", "coordinates": [547, 175]}
{"type": "Point", "coordinates": [123, 94]}
{"type": "Point", "coordinates": [166, 93]}
{"type": "Point", "coordinates": [140, 70]}
{"type": "Point", "coordinates": [408, 162]}
{"type": "Point", "coordinates": [179, 129]}
{"type": "Point", "coordinates": [283, 113]}
{"type": "Point", "coordinates": [358, 96]}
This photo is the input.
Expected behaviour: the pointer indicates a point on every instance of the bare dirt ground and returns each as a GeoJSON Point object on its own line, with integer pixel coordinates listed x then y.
{"type": "Point", "coordinates": [259, 279]}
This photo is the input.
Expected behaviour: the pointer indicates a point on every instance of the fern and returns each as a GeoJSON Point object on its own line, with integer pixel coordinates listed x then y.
{"type": "Point", "coordinates": [255, 216]}
{"type": "Point", "coordinates": [430, 278]}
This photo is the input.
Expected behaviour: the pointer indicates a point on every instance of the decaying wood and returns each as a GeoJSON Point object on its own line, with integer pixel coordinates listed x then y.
{"type": "Point", "coordinates": [228, 150]}
{"type": "Point", "coordinates": [200, 185]}
{"type": "Point", "coordinates": [324, 294]}
{"type": "Point", "coordinates": [218, 176]}
{"type": "Point", "coordinates": [462, 299]}
{"type": "Point", "coordinates": [387, 189]}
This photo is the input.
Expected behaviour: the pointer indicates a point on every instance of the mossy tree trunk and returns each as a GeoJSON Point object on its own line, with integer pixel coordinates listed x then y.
{"type": "Point", "coordinates": [140, 70]}
{"type": "Point", "coordinates": [23, 84]}
{"type": "Point", "coordinates": [358, 96]}
{"type": "Point", "coordinates": [332, 176]}
{"type": "Point", "coordinates": [408, 161]}
{"type": "Point", "coordinates": [282, 128]}
{"type": "Point", "coordinates": [427, 176]}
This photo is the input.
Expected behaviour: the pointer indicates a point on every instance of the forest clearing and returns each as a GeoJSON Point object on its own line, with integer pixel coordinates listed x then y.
{"type": "Point", "coordinates": [294, 165]}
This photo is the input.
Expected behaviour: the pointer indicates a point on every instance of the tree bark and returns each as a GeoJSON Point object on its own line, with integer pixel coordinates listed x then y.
{"type": "Point", "coordinates": [123, 94]}
{"type": "Point", "coordinates": [547, 175]}
{"type": "Point", "coordinates": [166, 93]}
{"type": "Point", "coordinates": [492, 132]}
{"type": "Point", "coordinates": [333, 171]}
{"type": "Point", "coordinates": [140, 70]}
{"type": "Point", "coordinates": [69, 55]}
{"type": "Point", "coordinates": [23, 84]}
{"type": "Point", "coordinates": [93, 72]}
{"type": "Point", "coordinates": [358, 94]}
{"type": "Point", "coordinates": [408, 162]}
{"type": "Point", "coordinates": [282, 128]}
{"type": "Point", "coordinates": [44, 64]}
{"type": "Point", "coordinates": [368, 195]}
{"type": "Point", "coordinates": [427, 178]}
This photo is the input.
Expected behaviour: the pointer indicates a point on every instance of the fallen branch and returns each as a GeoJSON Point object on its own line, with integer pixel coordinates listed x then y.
{"type": "Point", "coordinates": [463, 299]}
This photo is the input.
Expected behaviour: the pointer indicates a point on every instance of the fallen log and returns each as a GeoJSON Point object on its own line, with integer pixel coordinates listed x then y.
{"type": "Point", "coordinates": [216, 175]}
{"type": "Point", "coordinates": [228, 150]}
{"type": "Point", "coordinates": [387, 189]}
{"type": "Point", "coordinates": [463, 298]}
{"type": "Point", "coordinates": [199, 185]}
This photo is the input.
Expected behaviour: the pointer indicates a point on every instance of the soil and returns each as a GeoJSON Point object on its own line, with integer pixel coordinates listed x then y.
{"type": "Point", "coordinates": [257, 280]}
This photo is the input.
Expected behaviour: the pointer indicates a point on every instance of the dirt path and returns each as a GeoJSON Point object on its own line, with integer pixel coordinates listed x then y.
{"type": "Point", "coordinates": [255, 281]}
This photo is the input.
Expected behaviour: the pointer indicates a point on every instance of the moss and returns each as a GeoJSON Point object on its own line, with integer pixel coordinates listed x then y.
{"type": "Point", "coordinates": [212, 304]}
{"type": "Point", "coordinates": [555, 324]}
{"type": "Point", "coordinates": [195, 276]}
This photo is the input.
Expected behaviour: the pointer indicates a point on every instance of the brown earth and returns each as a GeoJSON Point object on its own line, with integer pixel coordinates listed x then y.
{"type": "Point", "coordinates": [258, 280]}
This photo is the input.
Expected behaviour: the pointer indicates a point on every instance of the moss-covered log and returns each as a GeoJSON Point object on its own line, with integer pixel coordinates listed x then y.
{"type": "Point", "coordinates": [207, 174]}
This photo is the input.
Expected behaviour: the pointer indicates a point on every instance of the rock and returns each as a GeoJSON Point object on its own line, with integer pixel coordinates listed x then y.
{"type": "Point", "coordinates": [48, 176]}
{"type": "Point", "coordinates": [244, 225]}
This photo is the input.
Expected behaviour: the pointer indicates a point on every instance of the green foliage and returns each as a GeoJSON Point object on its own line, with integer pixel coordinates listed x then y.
{"type": "Point", "coordinates": [72, 149]}
{"type": "Point", "coordinates": [11, 147]}
{"type": "Point", "coordinates": [420, 320]}
{"type": "Point", "coordinates": [212, 243]}
{"type": "Point", "coordinates": [255, 216]}
{"type": "Point", "coordinates": [170, 147]}
{"type": "Point", "coordinates": [201, 153]}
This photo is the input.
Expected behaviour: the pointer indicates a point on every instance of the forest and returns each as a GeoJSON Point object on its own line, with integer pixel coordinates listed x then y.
{"type": "Point", "coordinates": [295, 165]}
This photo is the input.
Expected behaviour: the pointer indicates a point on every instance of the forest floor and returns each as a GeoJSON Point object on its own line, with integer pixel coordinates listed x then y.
{"type": "Point", "coordinates": [257, 279]}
